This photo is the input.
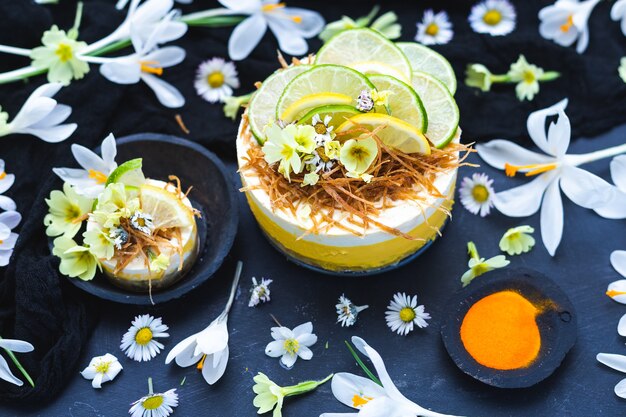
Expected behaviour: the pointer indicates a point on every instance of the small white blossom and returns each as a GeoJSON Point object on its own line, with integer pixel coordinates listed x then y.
{"type": "Point", "coordinates": [216, 79]}
{"type": "Point", "coordinates": [477, 194]}
{"type": "Point", "coordinates": [142, 222]}
{"type": "Point", "coordinates": [347, 312]}
{"type": "Point", "coordinates": [139, 343]}
{"type": "Point", "coordinates": [495, 17]}
{"type": "Point", "coordinates": [291, 344]}
{"type": "Point", "coordinates": [403, 314]}
{"type": "Point", "coordinates": [434, 29]}
{"type": "Point", "coordinates": [260, 292]}
{"type": "Point", "coordinates": [102, 369]}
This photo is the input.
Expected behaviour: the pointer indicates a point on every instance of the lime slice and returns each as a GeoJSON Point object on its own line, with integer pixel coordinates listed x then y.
{"type": "Point", "coordinates": [339, 114]}
{"type": "Point", "coordinates": [129, 173]}
{"type": "Point", "coordinates": [323, 79]}
{"type": "Point", "coordinates": [397, 133]}
{"type": "Point", "coordinates": [262, 106]}
{"type": "Point", "coordinates": [404, 102]}
{"type": "Point", "coordinates": [355, 47]}
{"type": "Point", "coordinates": [300, 107]}
{"type": "Point", "coordinates": [424, 59]}
{"type": "Point", "coordinates": [369, 68]}
{"type": "Point", "coordinates": [166, 208]}
{"type": "Point", "coordinates": [443, 113]}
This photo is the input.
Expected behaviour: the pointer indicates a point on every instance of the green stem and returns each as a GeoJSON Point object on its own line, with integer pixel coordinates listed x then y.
{"type": "Point", "coordinates": [21, 74]}
{"type": "Point", "coordinates": [504, 78]}
{"type": "Point", "coordinates": [206, 14]}
{"type": "Point", "coordinates": [473, 252]}
{"type": "Point", "coordinates": [19, 366]}
{"type": "Point", "coordinates": [304, 387]}
{"type": "Point", "coordinates": [362, 365]}
{"type": "Point", "coordinates": [150, 388]}
{"type": "Point", "coordinates": [216, 22]}
{"type": "Point", "coordinates": [550, 75]}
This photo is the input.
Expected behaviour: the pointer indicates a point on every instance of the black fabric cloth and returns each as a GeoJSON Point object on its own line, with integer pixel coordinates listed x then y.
{"type": "Point", "coordinates": [38, 305]}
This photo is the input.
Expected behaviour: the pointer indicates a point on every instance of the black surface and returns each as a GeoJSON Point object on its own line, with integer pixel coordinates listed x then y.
{"type": "Point", "coordinates": [38, 305]}
{"type": "Point", "coordinates": [213, 194]}
{"type": "Point", "coordinates": [557, 323]}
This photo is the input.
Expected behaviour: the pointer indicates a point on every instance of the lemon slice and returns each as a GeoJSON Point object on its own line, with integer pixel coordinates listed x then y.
{"type": "Point", "coordinates": [165, 207]}
{"type": "Point", "coordinates": [300, 107]}
{"type": "Point", "coordinates": [443, 113]}
{"type": "Point", "coordinates": [323, 79]}
{"type": "Point", "coordinates": [397, 133]}
{"type": "Point", "coordinates": [371, 67]}
{"type": "Point", "coordinates": [261, 109]}
{"type": "Point", "coordinates": [424, 59]}
{"type": "Point", "coordinates": [339, 114]}
{"type": "Point", "coordinates": [404, 102]}
{"type": "Point", "coordinates": [357, 46]}
{"type": "Point", "coordinates": [129, 173]}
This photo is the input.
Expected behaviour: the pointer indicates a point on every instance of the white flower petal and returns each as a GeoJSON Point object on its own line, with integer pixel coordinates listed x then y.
{"type": "Point", "coordinates": [345, 386]}
{"type": "Point", "coordinates": [621, 326]}
{"type": "Point", "coordinates": [305, 353]}
{"type": "Point", "coordinates": [245, 6]}
{"type": "Point", "coordinates": [288, 360]}
{"type": "Point", "coordinates": [303, 329]}
{"type": "Point", "coordinates": [536, 125]}
{"type": "Point", "coordinates": [552, 217]}
{"type": "Point", "coordinates": [615, 208]}
{"type": "Point", "coordinates": [212, 371]}
{"type": "Point", "coordinates": [289, 40]}
{"type": "Point", "coordinates": [618, 168]}
{"type": "Point", "coordinates": [187, 346]}
{"type": "Point", "coordinates": [618, 261]}
{"type": "Point", "coordinates": [88, 159]}
{"type": "Point", "coordinates": [214, 338]}
{"type": "Point", "coordinates": [7, 203]}
{"type": "Point", "coordinates": [121, 71]}
{"type": "Point", "coordinates": [619, 287]}
{"type": "Point", "coordinates": [16, 345]}
{"type": "Point", "coordinates": [275, 349]}
{"type": "Point", "coordinates": [53, 134]}
{"type": "Point", "coordinates": [246, 36]}
{"type": "Point", "coordinates": [524, 200]}
{"type": "Point", "coordinates": [6, 182]}
{"type": "Point", "coordinates": [620, 389]}
{"type": "Point", "coordinates": [617, 362]}
{"type": "Point", "coordinates": [10, 219]}
{"type": "Point", "coordinates": [32, 113]}
{"type": "Point", "coordinates": [584, 188]}
{"type": "Point", "coordinates": [312, 22]}
{"type": "Point", "coordinates": [167, 94]}
{"type": "Point", "coordinates": [167, 57]}
{"type": "Point", "coordinates": [7, 375]}
{"type": "Point", "coordinates": [499, 152]}
{"type": "Point", "coordinates": [58, 115]}
{"type": "Point", "coordinates": [109, 152]}
{"type": "Point", "coordinates": [559, 134]}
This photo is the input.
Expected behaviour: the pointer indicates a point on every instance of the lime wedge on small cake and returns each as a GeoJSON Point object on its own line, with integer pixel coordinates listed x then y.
{"type": "Point", "coordinates": [424, 59]}
{"type": "Point", "coordinates": [129, 173]}
{"type": "Point", "coordinates": [323, 79]}
{"type": "Point", "coordinates": [302, 106]}
{"type": "Point", "coordinates": [442, 110]}
{"type": "Point", "coordinates": [262, 106]}
{"type": "Point", "coordinates": [404, 103]}
{"type": "Point", "coordinates": [361, 47]}
{"type": "Point", "coordinates": [396, 133]}
{"type": "Point", "coordinates": [338, 113]}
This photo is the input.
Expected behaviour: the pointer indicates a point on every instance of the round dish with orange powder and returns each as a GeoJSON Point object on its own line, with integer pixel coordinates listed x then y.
{"type": "Point", "coordinates": [510, 329]}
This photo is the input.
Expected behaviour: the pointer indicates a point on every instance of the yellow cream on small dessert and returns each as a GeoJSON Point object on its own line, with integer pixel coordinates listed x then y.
{"type": "Point", "coordinates": [339, 250]}
{"type": "Point", "coordinates": [137, 275]}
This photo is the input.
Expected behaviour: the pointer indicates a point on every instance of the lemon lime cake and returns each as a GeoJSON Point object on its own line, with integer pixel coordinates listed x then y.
{"type": "Point", "coordinates": [349, 158]}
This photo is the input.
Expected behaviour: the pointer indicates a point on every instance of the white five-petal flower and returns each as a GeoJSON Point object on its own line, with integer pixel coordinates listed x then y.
{"type": "Point", "coordinates": [371, 399]}
{"type": "Point", "coordinates": [495, 17]}
{"type": "Point", "coordinates": [90, 180]}
{"type": "Point", "coordinates": [290, 344]}
{"type": "Point", "coordinates": [434, 29]}
{"type": "Point", "coordinates": [617, 289]}
{"type": "Point", "coordinates": [139, 343]}
{"type": "Point", "coordinates": [477, 194]}
{"type": "Point", "coordinates": [565, 22]}
{"type": "Point", "coordinates": [8, 221]}
{"type": "Point", "coordinates": [618, 13]}
{"type": "Point", "coordinates": [6, 181]}
{"type": "Point", "coordinates": [291, 26]}
{"type": "Point", "coordinates": [102, 369]}
{"type": "Point", "coordinates": [555, 170]}
{"type": "Point", "coordinates": [210, 346]}
{"type": "Point", "coordinates": [403, 314]}
{"type": "Point", "coordinates": [40, 116]}
{"type": "Point", "coordinates": [215, 80]}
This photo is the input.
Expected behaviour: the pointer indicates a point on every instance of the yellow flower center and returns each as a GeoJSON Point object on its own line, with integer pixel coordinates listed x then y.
{"type": "Point", "coordinates": [152, 403]}
{"type": "Point", "coordinates": [3, 175]}
{"type": "Point", "coordinates": [529, 77]}
{"type": "Point", "coordinates": [492, 17]}
{"type": "Point", "coordinates": [359, 153]}
{"type": "Point", "coordinates": [64, 52]}
{"type": "Point", "coordinates": [480, 269]}
{"type": "Point", "coordinates": [480, 193]}
{"type": "Point", "coordinates": [407, 314]}
{"type": "Point", "coordinates": [267, 8]}
{"type": "Point", "coordinates": [320, 128]}
{"type": "Point", "coordinates": [535, 169]}
{"type": "Point", "coordinates": [568, 24]}
{"type": "Point", "coordinates": [100, 177]}
{"type": "Point", "coordinates": [103, 367]}
{"type": "Point", "coordinates": [215, 79]}
{"type": "Point", "coordinates": [73, 214]}
{"type": "Point", "coordinates": [291, 346]}
{"type": "Point", "coordinates": [143, 336]}
{"type": "Point", "coordinates": [360, 401]}
{"type": "Point", "coordinates": [151, 67]}
{"type": "Point", "coordinates": [432, 29]}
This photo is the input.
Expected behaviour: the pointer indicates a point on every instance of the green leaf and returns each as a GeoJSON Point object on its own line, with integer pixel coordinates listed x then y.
{"type": "Point", "coordinates": [369, 373]}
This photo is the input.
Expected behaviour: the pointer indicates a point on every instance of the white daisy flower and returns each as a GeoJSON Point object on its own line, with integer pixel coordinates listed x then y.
{"type": "Point", "coordinates": [142, 222]}
{"type": "Point", "coordinates": [102, 369]}
{"type": "Point", "coordinates": [139, 342]}
{"type": "Point", "coordinates": [347, 312]}
{"type": "Point", "coordinates": [260, 292]}
{"type": "Point", "coordinates": [477, 194]}
{"type": "Point", "coordinates": [323, 132]}
{"type": "Point", "coordinates": [291, 344]}
{"type": "Point", "coordinates": [495, 17]}
{"type": "Point", "coordinates": [154, 405]}
{"type": "Point", "coordinates": [403, 313]}
{"type": "Point", "coordinates": [434, 29]}
{"type": "Point", "coordinates": [216, 79]}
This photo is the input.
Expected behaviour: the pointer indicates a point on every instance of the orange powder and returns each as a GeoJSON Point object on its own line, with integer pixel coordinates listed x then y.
{"type": "Point", "coordinates": [500, 331]}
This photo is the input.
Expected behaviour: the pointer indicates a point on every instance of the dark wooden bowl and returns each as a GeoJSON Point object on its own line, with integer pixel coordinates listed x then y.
{"type": "Point", "coordinates": [213, 194]}
{"type": "Point", "coordinates": [557, 326]}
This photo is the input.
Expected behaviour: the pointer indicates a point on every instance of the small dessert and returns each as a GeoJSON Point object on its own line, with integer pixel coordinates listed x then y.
{"type": "Point", "coordinates": [349, 158]}
{"type": "Point", "coordinates": [140, 232]}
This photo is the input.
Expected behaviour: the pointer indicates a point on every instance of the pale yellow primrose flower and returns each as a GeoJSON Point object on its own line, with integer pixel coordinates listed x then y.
{"type": "Point", "coordinates": [478, 266]}
{"type": "Point", "coordinates": [76, 261]}
{"type": "Point", "coordinates": [270, 396]}
{"type": "Point", "coordinates": [479, 76]}
{"type": "Point", "coordinates": [332, 149]}
{"type": "Point", "coordinates": [59, 55]}
{"type": "Point", "coordinates": [281, 146]}
{"type": "Point", "coordinates": [381, 98]}
{"type": "Point", "coordinates": [517, 240]}
{"type": "Point", "coordinates": [527, 77]}
{"type": "Point", "coordinates": [99, 242]}
{"type": "Point", "coordinates": [357, 155]}
{"type": "Point", "coordinates": [310, 179]}
{"type": "Point", "coordinates": [115, 202]}
{"type": "Point", "coordinates": [67, 212]}
{"type": "Point", "coordinates": [160, 263]}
